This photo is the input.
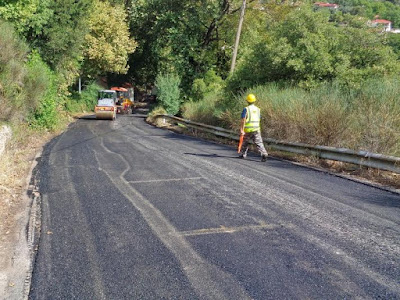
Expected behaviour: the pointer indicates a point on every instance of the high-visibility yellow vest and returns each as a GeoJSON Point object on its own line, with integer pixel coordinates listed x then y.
{"type": "Point", "coordinates": [252, 119]}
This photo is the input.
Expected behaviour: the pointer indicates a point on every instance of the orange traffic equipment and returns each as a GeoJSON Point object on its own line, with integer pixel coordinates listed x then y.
{"type": "Point", "coordinates": [240, 143]}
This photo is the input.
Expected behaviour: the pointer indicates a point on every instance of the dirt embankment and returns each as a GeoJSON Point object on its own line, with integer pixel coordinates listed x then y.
{"type": "Point", "coordinates": [16, 162]}
{"type": "Point", "coordinates": [5, 135]}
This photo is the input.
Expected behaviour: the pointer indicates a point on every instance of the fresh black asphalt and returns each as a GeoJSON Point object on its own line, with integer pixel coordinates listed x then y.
{"type": "Point", "coordinates": [130, 211]}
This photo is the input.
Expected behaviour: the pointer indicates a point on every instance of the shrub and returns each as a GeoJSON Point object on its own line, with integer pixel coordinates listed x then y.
{"type": "Point", "coordinates": [211, 83]}
{"type": "Point", "coordinates": [12, 72]}
{"type": "Point", "coordinates": [199, 88]}
{"type": "Point", "coordinates": [85, 101]}
{"type": "Point", "coordinates": [28, 88]}
{"type": "Point", "coordinates": [168, 92]}
{"type": "Point", "coordinates": [42, 90]}
{"type": "Point", "coordinates": [158, 110]}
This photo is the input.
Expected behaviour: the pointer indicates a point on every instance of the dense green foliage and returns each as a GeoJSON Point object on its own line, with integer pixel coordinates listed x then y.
{"type": "Point", "coordinates": [66, 39]}
{"type": "Point", "coordinates": [210, 83]}
{"type": "Point", "coordinates": [183, 37]}
{"type": "Point", "coordinates": [107, 45]}
{"type": "Point", "coordinates": [299, 59]}
{"type": "Point", "coordinates": [305, 49]}
{"type": "Point", "coordinates": [28, 86]}
{"type": "Point", "coordinates": [55, 28]}
{"type": "Point", "coordinates": [168, 92]}
{"type": "Point", "coordinates": [84, 101]}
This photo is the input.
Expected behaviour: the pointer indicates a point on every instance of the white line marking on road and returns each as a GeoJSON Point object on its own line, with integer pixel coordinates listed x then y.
{"type": "Point", "coordinates": [165, 180]}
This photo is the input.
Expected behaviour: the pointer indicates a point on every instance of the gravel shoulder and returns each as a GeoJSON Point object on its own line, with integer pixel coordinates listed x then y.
{"type": "Point", "coordinates": [16, 165]}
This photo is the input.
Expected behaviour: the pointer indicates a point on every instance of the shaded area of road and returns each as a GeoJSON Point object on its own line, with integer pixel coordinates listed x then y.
{"type": "Point", "coordinates": [134, 212]}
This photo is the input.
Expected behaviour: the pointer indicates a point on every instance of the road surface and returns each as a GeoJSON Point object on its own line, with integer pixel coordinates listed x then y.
{"type": "Point", "coordinates": [130, 211]}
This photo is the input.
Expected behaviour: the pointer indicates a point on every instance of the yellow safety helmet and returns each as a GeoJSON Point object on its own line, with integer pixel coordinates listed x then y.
{"type": "Point", "coordinates": [251, 98]}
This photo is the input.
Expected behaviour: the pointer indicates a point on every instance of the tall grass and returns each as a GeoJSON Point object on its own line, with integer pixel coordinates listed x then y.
{"type": "Point", "coordinates": [364, 119]}
{"type": "Point", "coordinates": [375, 117]}
{"type": "Point", "coordinates": [207, 110]}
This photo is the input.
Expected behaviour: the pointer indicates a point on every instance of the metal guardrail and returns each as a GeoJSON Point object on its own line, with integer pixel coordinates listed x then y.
{"type": "Point", "coordinates": [361, 158]}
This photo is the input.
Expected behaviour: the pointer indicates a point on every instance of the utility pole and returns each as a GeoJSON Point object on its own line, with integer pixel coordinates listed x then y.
{"type": "Point", "coordinates": [235, 49]}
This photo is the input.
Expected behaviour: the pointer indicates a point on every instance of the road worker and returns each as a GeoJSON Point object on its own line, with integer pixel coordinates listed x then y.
{"type": "Point", "coordinates": [250, 128]}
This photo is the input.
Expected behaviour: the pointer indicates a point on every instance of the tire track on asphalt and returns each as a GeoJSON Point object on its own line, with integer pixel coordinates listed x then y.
{"type": "Point", "coordinates": [333, 203]}
{"type": "Point", "coordinates": [333, 224]}
{"type": "Point", "coordinates": [321, 220]}
{"type": "Point", "coordinates": [68, 187]}
{"type": "Point", "coordinates": [209, 281]}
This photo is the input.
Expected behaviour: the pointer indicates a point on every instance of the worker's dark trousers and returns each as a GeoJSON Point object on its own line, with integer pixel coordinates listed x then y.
{"type": "Point", "coordinates": [257, 139]}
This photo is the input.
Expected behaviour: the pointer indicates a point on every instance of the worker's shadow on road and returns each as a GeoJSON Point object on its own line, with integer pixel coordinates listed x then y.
{"type": "Point", "coordinates": [212, 155]}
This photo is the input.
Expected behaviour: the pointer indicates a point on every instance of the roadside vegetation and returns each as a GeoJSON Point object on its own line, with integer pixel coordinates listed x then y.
{"type": "Point", "coordinates": [321, 76]}
{"type": "Point", "coordinates": [45, 46]}
{"type": "Point", "coordinates": [317, 81]}
{"type": "Point", "coordinates": [366, 119]}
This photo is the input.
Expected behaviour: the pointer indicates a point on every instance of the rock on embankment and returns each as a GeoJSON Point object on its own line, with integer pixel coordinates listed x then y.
{"type": "Point", "coordinates": [5, 135]}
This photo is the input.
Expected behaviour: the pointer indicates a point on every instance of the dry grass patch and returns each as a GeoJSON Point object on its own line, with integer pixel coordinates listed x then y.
{"type": "Point", "coordinates": [15, 166]}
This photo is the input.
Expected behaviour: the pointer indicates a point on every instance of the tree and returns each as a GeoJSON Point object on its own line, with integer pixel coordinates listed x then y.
{"type": "Point", "coordinates": [56, 28]}
{"type": "Point", "coordinates": [107, 45]}
{"type": "Point", "coordinates": [179, 36]}
{"type": "Point", "coordinates": [28, 16]}
{"type": "Point", "coordinates": [305, 48]}
{"type": "Point", "coordinates": [168, 92]}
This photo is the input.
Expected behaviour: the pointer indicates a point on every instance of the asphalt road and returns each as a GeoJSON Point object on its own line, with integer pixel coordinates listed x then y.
{"type": "Point", "coordinates": [130, 211]}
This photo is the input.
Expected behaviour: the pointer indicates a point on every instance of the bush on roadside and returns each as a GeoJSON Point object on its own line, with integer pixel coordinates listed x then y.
{"type": "Point", "coordinates": [42, 91]}
{"type": "Point", "coordinates": [28, 88]}
{"type": "Point", "coordinates": [12, 73]}
{"type": "Point", "coordinates": [85, 101]}
{"type": "Point", "coordinates": [168, 92]}
{"type": "Point", "coordinates": [211, 83]}
{"type": "Point", "coordinates": [158, 110]}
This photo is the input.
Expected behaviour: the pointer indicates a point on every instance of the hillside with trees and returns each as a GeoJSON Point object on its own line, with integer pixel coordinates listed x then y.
{"type": "Point", "coordinates": [321, 76]}
{"type": "Point", "coordinates": [53, 44]}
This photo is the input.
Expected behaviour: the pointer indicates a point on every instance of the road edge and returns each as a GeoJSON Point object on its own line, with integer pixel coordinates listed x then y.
{"type": "Point", "coordinates": [19, 279]}
{"type": "Point", "coordinates": [309, 166]}
{"type": "Point", "coordinates": [33, 227]}
{"type": "Point", "coordinates": [348, 177]}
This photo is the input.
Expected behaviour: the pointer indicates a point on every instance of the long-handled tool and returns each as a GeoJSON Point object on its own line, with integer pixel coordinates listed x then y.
{"type": "Point", "coordinates": [240, 143]}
